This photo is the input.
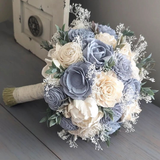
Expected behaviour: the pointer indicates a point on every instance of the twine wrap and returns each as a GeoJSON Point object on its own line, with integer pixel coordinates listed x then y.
{"type": "Point", "coordinates": [13, 96]}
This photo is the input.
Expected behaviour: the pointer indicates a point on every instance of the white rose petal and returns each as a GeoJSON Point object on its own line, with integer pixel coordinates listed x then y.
{"type": "Point", "coordinates": [107, 39]}
{"type": "Point", "coordinates": [126, 50]}
{"type": "Point", "coordinates": [84, 113]}
{"type": "Point", "coordinates": [68, 54]}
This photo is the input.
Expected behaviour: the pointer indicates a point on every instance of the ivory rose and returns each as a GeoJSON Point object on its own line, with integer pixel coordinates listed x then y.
{"type": "Point", "coordinates": [109, 89]}
{"type": "Point", "coordinates": [83, 113]}
{"type": "Point", "coordinates": [68, 54]}
{"type": "Point", "coordinates": [107, 39]}
{"type": "Point", "coordinates": [126, 50]}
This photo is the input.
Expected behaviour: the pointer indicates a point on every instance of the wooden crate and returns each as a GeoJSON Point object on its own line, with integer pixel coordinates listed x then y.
{"type": "Point", "coordinates": [34, 21]}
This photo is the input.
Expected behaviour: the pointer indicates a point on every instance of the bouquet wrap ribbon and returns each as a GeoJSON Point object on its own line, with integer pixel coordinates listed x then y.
{"type": "Point", "coordinates": [13, 96]}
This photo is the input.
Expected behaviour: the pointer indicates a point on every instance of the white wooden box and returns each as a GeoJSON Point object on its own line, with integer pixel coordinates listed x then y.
{"type": "Point", "coordinates": [34, 21]}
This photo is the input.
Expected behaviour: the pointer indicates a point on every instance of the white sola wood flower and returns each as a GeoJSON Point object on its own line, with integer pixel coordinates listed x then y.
{"type": "Point", "coordinates": [68, 54]}
{"type": "Point", "coordinates": [109, 89]}
{"type": "Point", "coordinates": [86, 116]}
{"type": "Point", "coordinates": [107, 39]}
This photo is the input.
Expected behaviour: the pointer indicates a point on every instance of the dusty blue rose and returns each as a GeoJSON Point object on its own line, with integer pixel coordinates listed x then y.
{"type": "Point", "coordinates": [117, 114]}
{"type": "Point", "coordinates": [67, 124]}
{"type": "Point", "coordinates": [114, 125]}
{"type": "Point", "coordinates": [107, 29]}
{"type": "Point", "coordinates": [123, 67]}
{"type": "Point", "coordinates": [131, 89]}
{"type": "Point", "coordinates": [96, 52]}
{"type": "Point", "coordinates": [75, 82]}
{"type": "Point", "coordinates": [55, 97]}
{"type": "Point", "coordinates": [83, 33]}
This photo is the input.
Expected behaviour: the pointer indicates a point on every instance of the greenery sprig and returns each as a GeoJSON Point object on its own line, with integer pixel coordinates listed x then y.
{"type": "Point", "coordinates": [52, 118]}
{"type": "Point", "coordinates": [46, 45]}
{"type": "Point", "coordinates": [107, 112]}
{"type": "Point", "coordinates": [63, 39]}
{"type": "Point", "coordinates": [147, 63]}
{"type": "Point", "coordinates": [128, 33]}
{"type": "Point", "coordinates": [58, 72]}
{"type": "Point", "coordinates": [108, 64]}
{"type": "Point", "coordinates": [147, 91]}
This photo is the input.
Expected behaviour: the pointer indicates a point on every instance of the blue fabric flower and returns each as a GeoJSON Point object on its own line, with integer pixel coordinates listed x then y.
{"type": "Point", "coordinates": [114, 125]}
{"type": "Point", "coordinates": [83, 33]}
{"type": "Point", "coordinates": [131, 90]}
{"type": "Point", "coordinates": [123, 68]}
{"type": "Point", "coordinates": [55, 97]}
{"type": "Point", "coordinates": [67, 124]}
{"type": "Point", "coordinates": [96, 52]}
{"type": "Point", "coordinates": [75, 82]}
{"type": "Point", "coordinates": [117, 114]}
{"type": "Point", "coordinates": [107, 29]}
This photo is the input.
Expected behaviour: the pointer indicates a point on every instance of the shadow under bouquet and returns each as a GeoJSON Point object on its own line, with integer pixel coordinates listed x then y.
{"type": "Point", "coordinates": [93, 81]}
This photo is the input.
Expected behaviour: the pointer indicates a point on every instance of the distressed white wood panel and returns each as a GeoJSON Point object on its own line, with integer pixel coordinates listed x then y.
{"type": "Point", "coordinates": [50, 12]}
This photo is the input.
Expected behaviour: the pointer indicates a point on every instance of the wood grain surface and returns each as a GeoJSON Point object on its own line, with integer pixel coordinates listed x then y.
{"type": "Point", "coordinates": [19, 67]}
{"type": "Point", "coordinates": [17, 143]}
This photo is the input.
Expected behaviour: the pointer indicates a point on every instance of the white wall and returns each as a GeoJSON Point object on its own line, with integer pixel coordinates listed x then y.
{"type": "Point", "coordinates": [5, 10]}
{"type": "Point", "coordinates": [143, 17]}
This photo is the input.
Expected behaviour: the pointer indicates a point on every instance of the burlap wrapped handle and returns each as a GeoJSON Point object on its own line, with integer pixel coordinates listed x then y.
{"type": "Point", "coordinates": [13, 96]}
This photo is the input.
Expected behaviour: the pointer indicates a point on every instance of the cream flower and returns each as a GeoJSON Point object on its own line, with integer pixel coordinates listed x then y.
{"type": "Point", "coordinates": [109, 89]}
{"type": "Point", "coordinates": [130, 112]}
{"type": "Point", "coordinates": [85, 133]}
{"type": "Point", "coordinates": [135, 71]}
{"type": "Point", "coordinates": [48, 63]}
{"type": "Point", "coordinates": [68, 54]}
{"type": "Point", "coordinates": [126, 50]}
{"type": "Point", "coordinates": [51, 55]}
{"type": "Point", "coordinates": [107, 39]}
{"type": "Point", "coordinates": [84, 113]}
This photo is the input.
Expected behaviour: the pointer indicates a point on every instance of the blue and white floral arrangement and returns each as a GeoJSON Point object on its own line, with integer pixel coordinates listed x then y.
{"type": "Point", "coordinates": [94, 80]}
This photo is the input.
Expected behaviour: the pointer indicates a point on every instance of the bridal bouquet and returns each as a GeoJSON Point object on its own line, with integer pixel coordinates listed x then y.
{"type": "Point", "coordinates": [94, 79]}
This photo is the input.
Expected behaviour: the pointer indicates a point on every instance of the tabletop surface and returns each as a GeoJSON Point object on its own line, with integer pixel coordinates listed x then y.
{"type": "Point", "coordinates": [22, 137]}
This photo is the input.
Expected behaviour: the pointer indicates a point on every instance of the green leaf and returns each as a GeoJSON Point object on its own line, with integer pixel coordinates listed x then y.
{"type": "Point", "coordinates": [58, 120]}
{"type": "Point", "coordinates": [146, 63]}
{"type": "Point", "coordinates": [120, 46]}
{"type": "Point", "coordinates": [57, 27]}
{"type": "Point", "coordinates": [53, 65]}
{"type": "Point", "coordinates": [128, 33]}
{"type": "Point", "coordinates": [52, 117]}
{"type": "Point", "coordinates": [62, 68]}
{"type": "Point", "coordinates": [108, 142]}
{"type": "Point", "coordinates": [107, 112]}
{"type": "Point", "coordinates": [147, 91]}
{"type": "Point", "coordinates": [46, 45]}
{"type": "Point", "coordinates": [52, 123]}
{"type": "Point", "coordinates": [44, 119]}
{"type": "Point", "coordinates": [63, 27]}
{"type": "Point", "coordinates": [49, 71]}
{"type": "Point", "coordinates": [58, 75]}
{"type": "Point", "coordinates": [63, 35]}
{"type": "Point", "coordinates": [109, 64]}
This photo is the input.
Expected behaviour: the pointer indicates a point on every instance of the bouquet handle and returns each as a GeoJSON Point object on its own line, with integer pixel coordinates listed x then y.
{"type": "Point", "coordinates": [13, 96]}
